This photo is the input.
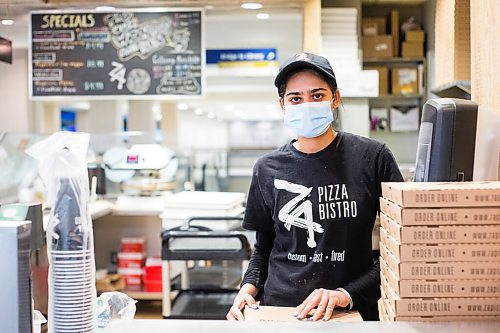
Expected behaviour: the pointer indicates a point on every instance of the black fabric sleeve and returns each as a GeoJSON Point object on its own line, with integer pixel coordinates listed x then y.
{"type": "Point", "coordinates": [365, 290]}
{"type": "Point", "coordinates": [258, 215]}
{"type": "Point", "coordinates": [387, 169]}
{"type": "Point", "coordinates": [256, 273]}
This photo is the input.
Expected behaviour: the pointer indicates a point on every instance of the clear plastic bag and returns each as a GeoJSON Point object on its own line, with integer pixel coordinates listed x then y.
{"type": "Point", "coordinates": [70, 245]}
{"type": "Point", "coordinates": [114, 305]}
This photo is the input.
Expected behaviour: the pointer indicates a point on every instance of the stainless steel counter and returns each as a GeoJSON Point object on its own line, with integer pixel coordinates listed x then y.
{"type": "Point", "coordinates": [198, 326]}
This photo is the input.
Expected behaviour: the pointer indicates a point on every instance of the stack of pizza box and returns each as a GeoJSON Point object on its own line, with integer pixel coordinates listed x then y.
{"type": "Point", "coordinates": [440, 251]}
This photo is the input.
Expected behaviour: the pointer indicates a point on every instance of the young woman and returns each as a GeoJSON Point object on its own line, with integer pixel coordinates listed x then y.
{"type": "Point", "coordinates": [313, 203]}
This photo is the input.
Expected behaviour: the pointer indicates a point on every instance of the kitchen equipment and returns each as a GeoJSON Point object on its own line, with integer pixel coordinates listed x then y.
{"type": "Point", "coordinates": [446, 141]}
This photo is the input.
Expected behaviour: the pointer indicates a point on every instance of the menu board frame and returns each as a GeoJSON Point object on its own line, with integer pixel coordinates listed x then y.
{"type": "Point", "coordinates": [129, 96]}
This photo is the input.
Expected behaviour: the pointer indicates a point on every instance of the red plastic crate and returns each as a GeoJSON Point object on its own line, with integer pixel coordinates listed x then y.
{"type": "Point", "coordinates": [133, 244]}
{"type": "Point", "coordinates": [152, 286]}
{"type": "Point", "coordinates": [133, 280]}
{"type": "Point", "coordinates": [131, 260]}
{"type": "Point", "coordinates": [152, 273]}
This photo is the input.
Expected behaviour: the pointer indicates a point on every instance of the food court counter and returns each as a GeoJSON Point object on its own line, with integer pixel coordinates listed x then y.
{"type": "Point", "coordinates": [221, 326]}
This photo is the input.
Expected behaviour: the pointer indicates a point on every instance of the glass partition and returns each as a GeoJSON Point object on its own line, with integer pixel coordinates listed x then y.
{"type": "Point", "coordinates": [18, 171]}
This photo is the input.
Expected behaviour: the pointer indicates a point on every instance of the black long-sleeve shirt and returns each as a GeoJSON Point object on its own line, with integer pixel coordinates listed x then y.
{"type": "Point", "coordinates": [314, 216]}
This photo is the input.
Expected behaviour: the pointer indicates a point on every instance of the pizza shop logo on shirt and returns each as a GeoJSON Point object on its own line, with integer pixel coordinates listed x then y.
{"type": "Point", "coordinates": [334, 202]}
{"type": "Point", "coordinates": [298, 212]}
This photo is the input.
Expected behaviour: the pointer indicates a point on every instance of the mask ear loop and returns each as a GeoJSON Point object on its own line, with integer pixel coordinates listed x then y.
{"type": "Point", "coordinates": [336, 110]}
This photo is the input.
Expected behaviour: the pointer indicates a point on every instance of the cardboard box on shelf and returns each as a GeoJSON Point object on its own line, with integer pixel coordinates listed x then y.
{"type": "Point", "coordinates": [285, 314]}
{"type": "Point", "coordinates": [395, 32]}
{"type": "Point", "coordinates": [439, 288]}
{"type": "Point", "coordinates": [370, 29]}
{"type": "Point", "coordinates": [404, 118]}
{"type": "Point", "coordinates": [415, 36]}
{"type": "Point", "coordinates": [383, 79]}
{"type": "Point", "coordinates": [404, 81]}
{"type": "Point", "coordinates": [412, 49]}
{"type": "Point", "coordinates": [378, 24]}
{"type": "Point", "coordinates": [443, 194]}
{"type": "Point", "coordinates": [437, 307]}
{"type": "Point", "coordinates": [457, 270]}
{"type": "Point", "coordinates": [111, 282]}
{"type": "Point", "coordinates": [440, 252]}
{"type": "Point", "coordinates": [441, 234]}
{"type": "Point", "coordinates": [440, 216]}
{"type": "Point", "coordinates": [377, 46]}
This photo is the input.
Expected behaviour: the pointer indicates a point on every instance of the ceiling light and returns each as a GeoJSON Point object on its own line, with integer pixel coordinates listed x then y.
{"type": "Point", "coordinates": [228, 107]}
{"type": "Point", "coordinates": [211, 115]}
{"type": "Point", "coordinates": [251, 5]}
{"type": "Point", "coordinates": [105, 8]}
{"type": "Point", "coordinates": [7, 22]}
{"type": "Point", "coordinates": [182, 106]}
{"type": "Point", "coordinates": [198, 111]}
{"type": "Point", "coordinates": [262, 16]}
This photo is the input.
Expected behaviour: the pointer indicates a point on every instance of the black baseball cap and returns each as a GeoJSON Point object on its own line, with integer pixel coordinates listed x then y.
{"type": "Point", "coordinates": [306, 60]}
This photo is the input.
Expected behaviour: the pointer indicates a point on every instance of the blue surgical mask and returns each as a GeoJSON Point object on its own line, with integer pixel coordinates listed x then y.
{"type": "Point", "coordinates": [310, 119]}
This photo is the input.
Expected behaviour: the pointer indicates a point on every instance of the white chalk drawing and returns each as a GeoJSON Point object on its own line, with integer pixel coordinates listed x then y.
{"type": "Point", "coordinates": [298, 211]}
{"type": "Point", "coordinates": [118, 74]}
{"type": "Point", "coordinates": [132, 38]}
{"type": "Point", "coordinates": [179, 85]}
{"type": "Point", "coordinates": [138, 81]}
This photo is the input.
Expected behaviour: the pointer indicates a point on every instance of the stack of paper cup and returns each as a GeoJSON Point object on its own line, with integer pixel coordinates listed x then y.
{"type": "Point", "coordinates": [71, 283]}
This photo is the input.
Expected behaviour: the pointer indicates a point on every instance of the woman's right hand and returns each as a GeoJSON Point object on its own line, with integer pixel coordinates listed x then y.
{"type": "Point", "coordinates": [245, 297]}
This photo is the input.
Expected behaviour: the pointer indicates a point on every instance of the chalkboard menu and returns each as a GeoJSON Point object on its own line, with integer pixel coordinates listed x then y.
{"type": "Point", "coordinates": [129, 53]}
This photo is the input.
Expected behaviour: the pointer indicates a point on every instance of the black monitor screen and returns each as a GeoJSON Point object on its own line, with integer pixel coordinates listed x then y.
{"type": "Point", "coordinates": [5, 50]}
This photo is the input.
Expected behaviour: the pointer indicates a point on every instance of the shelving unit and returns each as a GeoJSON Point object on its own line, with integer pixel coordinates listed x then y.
{"type": "Point", "coordinates": [403, 144]}
{"type": "Point", "coordinates": [392, 60]}
{"type": "Point", "coordinates": [141, 294]}
{"type": "Point", "coordinates": [398, 97]}
{"type": "Point", "coordinates": [385, 101]}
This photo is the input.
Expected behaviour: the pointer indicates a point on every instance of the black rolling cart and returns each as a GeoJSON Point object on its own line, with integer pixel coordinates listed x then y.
{"type": "Point", "coordinates": [199, 243]}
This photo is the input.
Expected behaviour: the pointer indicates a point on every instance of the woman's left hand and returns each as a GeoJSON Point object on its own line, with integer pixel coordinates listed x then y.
{"type": "Point", "coordinates": [326, 300]}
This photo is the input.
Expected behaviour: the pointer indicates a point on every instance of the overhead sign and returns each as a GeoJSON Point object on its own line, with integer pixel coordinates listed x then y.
{"type": "Point", "coordinates": [128, 53]}
{"type": "Point", "coordinates": [217, 56]}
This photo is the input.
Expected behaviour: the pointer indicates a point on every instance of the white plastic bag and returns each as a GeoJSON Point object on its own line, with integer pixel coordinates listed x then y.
{"type": "Point", "coordinates": [114, 305]}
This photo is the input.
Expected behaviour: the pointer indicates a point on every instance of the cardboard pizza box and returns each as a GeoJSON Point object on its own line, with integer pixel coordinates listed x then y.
{"type": "Point", "coordinates": [440, 216]}
{"type": "Point", "coordinates": [440, 252]}
{"type": "Point", "coordinates": [439, 288]}
{"type": "Point", "coordinates": [416, 307]}
{"type": "Point", "coordinates": [285, 314]}
{"type": "Point", "coordinates": [441, 234]}
{"type": "Point", "coordinates": [443, 194]}
{"type": "Point", "coordinates": [388, 316]}
{"type": "Point", "coordinates": [487, 270]}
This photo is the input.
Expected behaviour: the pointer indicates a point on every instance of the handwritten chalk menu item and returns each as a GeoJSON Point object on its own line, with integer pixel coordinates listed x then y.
{"type": "Point", "coordinates": [129, 53]}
